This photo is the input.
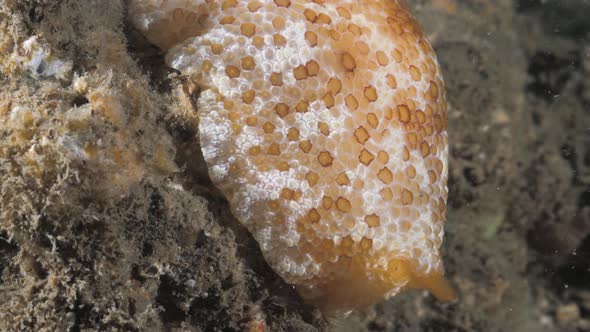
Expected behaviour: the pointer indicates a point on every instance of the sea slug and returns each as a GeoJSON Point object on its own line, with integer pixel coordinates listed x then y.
{"type": "Point", "coordinates": [324, 124]}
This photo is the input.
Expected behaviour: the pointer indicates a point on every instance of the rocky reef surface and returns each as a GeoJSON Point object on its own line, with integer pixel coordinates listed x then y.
{"type": "Point", "coordinates": [108, 220]}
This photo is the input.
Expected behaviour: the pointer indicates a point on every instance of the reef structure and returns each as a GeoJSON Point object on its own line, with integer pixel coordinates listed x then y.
{"type": "Point", "coordinates": [324, 124]}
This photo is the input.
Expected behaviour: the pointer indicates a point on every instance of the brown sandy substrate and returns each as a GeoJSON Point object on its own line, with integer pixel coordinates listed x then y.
{"type": "Point", "coordinates": [131, 236]}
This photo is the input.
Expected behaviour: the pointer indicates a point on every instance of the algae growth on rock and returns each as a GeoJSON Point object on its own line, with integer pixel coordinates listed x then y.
{"type": "Point", "coordinates": [109, 221]}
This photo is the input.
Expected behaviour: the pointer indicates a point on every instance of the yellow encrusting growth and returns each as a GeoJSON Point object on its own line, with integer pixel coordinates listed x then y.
{"type": "Point", "coordinates": [324, 123]}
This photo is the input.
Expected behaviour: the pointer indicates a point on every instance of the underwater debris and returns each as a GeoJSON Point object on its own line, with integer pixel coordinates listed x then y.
{"type": "Point", "coordinates": [39, 61]}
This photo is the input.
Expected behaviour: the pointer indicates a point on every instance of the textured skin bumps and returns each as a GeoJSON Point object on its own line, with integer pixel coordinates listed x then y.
{"type": "Point", "coordinates": [324, 124]}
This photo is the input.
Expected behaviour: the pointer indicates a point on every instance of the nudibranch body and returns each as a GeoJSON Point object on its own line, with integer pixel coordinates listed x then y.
{"type": "Point", "coordinates": [324, 124]}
